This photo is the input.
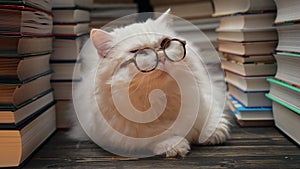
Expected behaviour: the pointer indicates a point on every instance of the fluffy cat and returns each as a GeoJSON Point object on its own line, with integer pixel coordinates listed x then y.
{"type": "Point", "coordinates": [100, 116]}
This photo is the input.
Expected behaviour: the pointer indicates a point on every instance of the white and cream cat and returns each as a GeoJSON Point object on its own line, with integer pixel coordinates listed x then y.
{"type": "Point", "coordinates": [96, 107]}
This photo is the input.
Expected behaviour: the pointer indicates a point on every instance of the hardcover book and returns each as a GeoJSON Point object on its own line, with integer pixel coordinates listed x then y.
{"type": "Point", "coordinates": [287, 11]}
{"type": "Point", "coordinates": [20, 68]}
{"type": "Point", "coordinates": [285, 92]}
{"type": "Point", "coordinates": [247, 48]}
{"type": "Point", "coordinates": [287, 120]}
{"type": "Point", "coordinates": [288, 38]}
{"type": "Point", "coordinates": [228, 7]}
{"type": "Point", "coordinates": [249, 69]}
{"type": "Point", "coordinates": [250, 99]}
{"type": "Point", "coordinates": [16, 114]}
{"type": "Point", "coordinates": [259, 83]}
{"type": "Point", "coordinates": [44, 5]}
{"type": "Point", "coordinates": [23, 45]}
{"type": "Point", "coordinates": [22, 141]}
{"type": "Point", "coordinates": [15, 94]}
{"type": "Point", "coordinates": [250, 116]}
{"type": "Point", "coordinates": [288, 67]}
{"type": "Point", "coordinates": [21, 20]}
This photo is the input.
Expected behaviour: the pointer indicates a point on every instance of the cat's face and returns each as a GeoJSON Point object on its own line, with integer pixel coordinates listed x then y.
{"type": "Point", "coordinates": [118, 48]}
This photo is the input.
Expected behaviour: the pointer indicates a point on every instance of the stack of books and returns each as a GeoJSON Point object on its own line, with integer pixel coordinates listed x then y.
{"type": "Point", "coordinates": [285, 87]}
{"type": "Point", "coordinates": [27, 107]}
{"type": "Point", "coordinates": [104, 12]}
{"type": "Point", "coordinates": [247, 40]}
{"type": "Point", "coordinates": [71, 28]}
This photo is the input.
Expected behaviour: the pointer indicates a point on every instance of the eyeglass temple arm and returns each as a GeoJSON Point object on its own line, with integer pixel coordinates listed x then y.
{"type": "Point", "coordinates": [127, 62]}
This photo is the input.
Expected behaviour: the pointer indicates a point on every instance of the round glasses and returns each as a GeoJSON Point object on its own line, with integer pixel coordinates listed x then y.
{"type": "Point", "coordinates": [146, 59]}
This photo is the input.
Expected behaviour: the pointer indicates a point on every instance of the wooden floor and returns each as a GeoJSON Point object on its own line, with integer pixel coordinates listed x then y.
{"type": "Point", "coordinates": [253, 148]}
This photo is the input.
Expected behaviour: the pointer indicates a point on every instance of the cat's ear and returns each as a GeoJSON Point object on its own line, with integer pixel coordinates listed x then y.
{"type": "Point", "coordinates": [101, 40]}
{"type": "Point", "coordinates": [165, 18]}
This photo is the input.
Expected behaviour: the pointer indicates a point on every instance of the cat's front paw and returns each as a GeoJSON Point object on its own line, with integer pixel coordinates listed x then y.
{"type": "Point", "coordinates": [221, 134]}
{"type": "Point", "coordinates": [172, 147]}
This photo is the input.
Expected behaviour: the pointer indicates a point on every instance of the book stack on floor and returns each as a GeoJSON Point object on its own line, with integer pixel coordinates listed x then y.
{"type": "Point", "coordinates": [285, 87]}
{"type": "Point", "coordinates": [247, 40]}
{"type": "Point", "coordinates": [104, 12]}
{"type": "Point", "coordinates": [71, 28]}
{"type": "Point", "coordinates": [27, 108]}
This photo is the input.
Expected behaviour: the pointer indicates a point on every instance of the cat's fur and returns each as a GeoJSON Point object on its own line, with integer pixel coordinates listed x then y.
{"type": "Point", "coordinates": [113, 49]}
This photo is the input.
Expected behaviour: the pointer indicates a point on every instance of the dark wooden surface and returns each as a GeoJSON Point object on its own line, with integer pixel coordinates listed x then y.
{"type": "Point", "coordinates": [248, 148]}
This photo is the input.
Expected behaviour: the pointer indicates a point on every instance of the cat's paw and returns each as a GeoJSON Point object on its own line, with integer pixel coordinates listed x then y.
{"type": "Point", "coordinates": [172, 147]}
{"type": "Point", "coordinates": [221, 134]}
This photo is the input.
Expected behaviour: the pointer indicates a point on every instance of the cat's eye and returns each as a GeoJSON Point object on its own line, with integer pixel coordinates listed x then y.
{"type": "Point", "coordinates": [134, 51]}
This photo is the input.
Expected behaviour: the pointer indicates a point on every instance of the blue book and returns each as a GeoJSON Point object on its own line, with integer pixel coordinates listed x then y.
{"type": "Point", "coordinates": [250, 116]}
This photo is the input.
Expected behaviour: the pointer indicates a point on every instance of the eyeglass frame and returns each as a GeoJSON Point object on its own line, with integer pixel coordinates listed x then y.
{"type": "Point", "coordinates": [133, 59]}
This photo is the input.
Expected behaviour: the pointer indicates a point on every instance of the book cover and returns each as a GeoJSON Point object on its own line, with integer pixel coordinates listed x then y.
{"type": "Point", "coordinates": [248, 83]}
{"type": "Point", "coordinates": [24, 45]}
{"type": "Point", "coordinates": [19, 68]}
{"type": "Point", "coordinates": [15, 94]}
{"type": "Point", "coordinates": [19, 144]}
{"type": "Point", "coordinates": [285, 92]}
{"type": "Point", "coordinates": [15, 114]}
{"type": "Point", "coordinates": [44, 5]}
{"type": "Point", "coordinates": [25, 21]}
{"type": "Point", "coordinates": [250, 116]}
{"type": "Point", "coordinates": [228, 7]}
{"type": "Point", "coordinates": [249, 99]}
{"type": "Point", "coordinates": [249, 69]}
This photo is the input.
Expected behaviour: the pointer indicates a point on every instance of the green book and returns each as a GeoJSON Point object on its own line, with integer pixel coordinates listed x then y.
{"type": "Point", "coordinates": [283, 103]}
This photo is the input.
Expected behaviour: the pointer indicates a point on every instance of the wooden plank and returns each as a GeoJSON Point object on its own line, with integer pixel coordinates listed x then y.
{"type": "Point", "coordinates": [247, 148]}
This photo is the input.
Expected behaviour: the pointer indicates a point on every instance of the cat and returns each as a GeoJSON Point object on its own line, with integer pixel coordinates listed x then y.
{"type": "Point", "coordinates": [100, 74]}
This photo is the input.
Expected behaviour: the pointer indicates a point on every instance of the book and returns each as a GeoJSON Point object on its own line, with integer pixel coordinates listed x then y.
{"type": "Point", "coordinates": [249, 59]}
{"type": "Point", "coordinates": [75, 29]}
{"type": "Point", "coordinates": [247, 22]}
{"type": "Point", "coordinates": [247, 36]}
{"type": "Point", "coordinates": [70, 15]}
{"type": "Point", "coordinates": [21, 45]}
{"type": "Point", "coordinates": [285, 92]}
{"type": "Point", "coordinates": [287, 120]}
{"type": "Point", "coordinates": [22, 20]}
{"type": "Point", "coordinates": [288, 67]}
{"type": "Point", "coordinates": [65, 112]}
{"type": "Point", "coordinates": [250, 116]}
{"type": "Point", "coordinates": [65, 70]}
{"type": "Point", "coordinates": [15, 94]}
{"type": "Point", "coordinates": [63, 90]}
{"type": "Point", "coordinates": [287, 11]}
{"type": "Point", "coordinates": [249, 69]}
{"type": "Point", "coordinates": [248, 83]}
{"type": "Point", "coordinates": [249, 99]}
{"type": "Point", "coordinates": [199, 9]}
{"type": "Point", "coordinates": [20, 68]}
{"type": "Point", "coordinates": [247, 48]}
{"type": "Point", "coordinates": [288, 38]}
{"type": "Point", "coordinates": [44, 5]}
{"type": "Point", "coordinates": [15, 115]}
{"type": "Point", "coordinates": [228, 7]}
{"type": "Point", "coordinates": [104, 13]}
{"type": "Point", "coordinates": [72, 3]}
{"type": "Point", "coordinates": [66, 48]}
{"type": "Point", "coordinates": [18, 144]}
